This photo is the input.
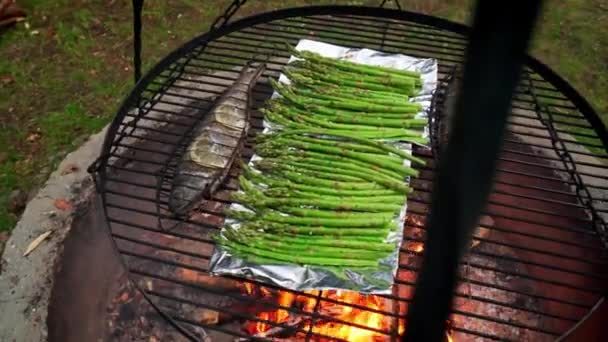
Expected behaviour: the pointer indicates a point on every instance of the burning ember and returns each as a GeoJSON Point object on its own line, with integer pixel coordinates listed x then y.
{"type": "Point", "coordinates": [343, 312]}
{"type": "Point", "coordinates": [350, 309]}
{"type": "Point", "coordinates": [416, 247]}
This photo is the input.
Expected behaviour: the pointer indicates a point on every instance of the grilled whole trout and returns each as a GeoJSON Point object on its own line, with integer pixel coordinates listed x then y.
{"type": "Point", "coordinates": [217, 143]}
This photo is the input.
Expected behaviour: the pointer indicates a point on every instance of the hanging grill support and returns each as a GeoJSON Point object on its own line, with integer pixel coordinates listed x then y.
{"type": "Point", "coordinates": [137, 7]}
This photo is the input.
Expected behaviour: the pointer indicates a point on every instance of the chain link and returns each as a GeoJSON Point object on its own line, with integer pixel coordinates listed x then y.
{"type": "Point", "coordinates": [227, 15]}
{"type": "Point", "coordinates": [384, 2]}
{"type": "Point", "coordinates": [218, 23]}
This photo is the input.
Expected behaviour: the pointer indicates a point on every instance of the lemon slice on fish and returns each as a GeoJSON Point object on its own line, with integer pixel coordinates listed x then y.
{"type": "Point", "coordinates": [203, 153]}
{"type": "Point", "coordinates": [230, 116]}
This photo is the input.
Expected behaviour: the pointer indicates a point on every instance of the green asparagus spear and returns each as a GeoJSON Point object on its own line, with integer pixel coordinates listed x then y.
{"type": "Point", "coordinates": [379, 179]}
{"type": "Point", "coordinates": [336, 90]}
{"type": "Point", "coordinates": [307, 212]}
{"type": "Point", "coordinates": [309, 240]}
{"type": "Point", "coordinates": [363, 81]}
{"type": "Point", "coordinates": [370, 142]}
{"type": "Point", "coordinates": [393, 134]}
{"type": "Point", "coordinates": [315, 230]}
{"type": "Point", "coordinates": [312, 250]}
{"type": "Point", "coordinates": [323, 159]}
{"type": "Point", "coordinates": [317, 189]}
{"type": "Point", "coordinates": [409, 107]}
{"type": "Point", "coordinates": [401, 169]}
{"type": "Point", "coordinates": [294, 258]}
{"type": "Point", "coordinates": [386, 78]}
{"type": "Point", "coordinates": [332, 78]}
{"type": "Point", "coordinates": [363, 68]}
{"type": "Point", "coordinates": [266, 165]}
{"type": "Point", "coordinates": [328, 95]}
{"type": "Point", "coordinates": [284, 192]}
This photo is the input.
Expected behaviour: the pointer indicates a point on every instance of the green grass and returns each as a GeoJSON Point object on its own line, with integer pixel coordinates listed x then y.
{"type": "Point", "coordinates": [572, 40]}
{"type": "Point", "coordinates": [72, 67]}
{"type": "Point", "coordinates": [570, 37]}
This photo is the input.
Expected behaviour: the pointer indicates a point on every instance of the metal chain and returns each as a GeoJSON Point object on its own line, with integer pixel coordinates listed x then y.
{"type": "Point", "coordinates": [218, 23]}
{"type": "Point", "coordinates": [384, 2]}
{"type": "Point", "coordinates": [227, 15]}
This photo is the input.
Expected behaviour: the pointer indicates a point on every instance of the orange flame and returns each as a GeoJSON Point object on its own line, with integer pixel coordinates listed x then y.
{"type": "Point", "coordinates": [416, 247]}
{"type": "Point", "coordinates": [371, 317]}
{"type": "Point", "coordinates": [248, 288]}
{"type": "Point", "coordinates": [365, 318]}
{"type": "Point", "coordinates": [343, 312]}
{"type": "Point", "coordinates": [262, 326]}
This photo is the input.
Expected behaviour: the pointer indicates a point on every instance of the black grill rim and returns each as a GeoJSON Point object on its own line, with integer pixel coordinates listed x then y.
{"type": "Point", "coordinates": [542, 69]}
{"type": "Point", "coordinates": [369, 13]}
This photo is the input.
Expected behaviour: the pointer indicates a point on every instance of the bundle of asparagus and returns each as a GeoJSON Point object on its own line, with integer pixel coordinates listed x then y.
{"type": "Point", "coordinates": [329, 183]}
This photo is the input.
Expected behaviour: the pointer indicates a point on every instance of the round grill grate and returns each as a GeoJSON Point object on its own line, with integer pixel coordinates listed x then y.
{"type": "Point", "coordinates": [539, 265]}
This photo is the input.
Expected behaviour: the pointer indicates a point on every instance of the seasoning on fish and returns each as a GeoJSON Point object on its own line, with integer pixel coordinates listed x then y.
{"type": "Point", "coordinates": [218, 141]}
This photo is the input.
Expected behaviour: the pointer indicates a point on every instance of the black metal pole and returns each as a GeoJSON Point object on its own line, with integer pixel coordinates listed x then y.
{"type": "Point", "coordinates": [137, 7]}
{"type": "Point", "coordinates": [494, 58]}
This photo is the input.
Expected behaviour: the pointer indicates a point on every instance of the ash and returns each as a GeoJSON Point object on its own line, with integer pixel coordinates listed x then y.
{"type": "Point", "coordinates": [497, 274]}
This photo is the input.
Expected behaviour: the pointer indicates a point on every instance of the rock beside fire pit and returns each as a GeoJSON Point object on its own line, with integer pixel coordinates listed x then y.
{"type": "Point", "coordinates": [26, 281]}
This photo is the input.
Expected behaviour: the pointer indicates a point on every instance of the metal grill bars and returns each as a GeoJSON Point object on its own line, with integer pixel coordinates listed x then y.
{"type": "Point", "coordinates": [542, 236]}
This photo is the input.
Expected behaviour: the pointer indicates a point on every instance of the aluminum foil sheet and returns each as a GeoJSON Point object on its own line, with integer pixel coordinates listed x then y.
{"type": "Point", "coordinates": [303, 277]}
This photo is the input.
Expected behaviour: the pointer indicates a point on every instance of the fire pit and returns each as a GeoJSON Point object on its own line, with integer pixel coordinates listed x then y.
{"type": "Point", "coordinates": [537, 268]}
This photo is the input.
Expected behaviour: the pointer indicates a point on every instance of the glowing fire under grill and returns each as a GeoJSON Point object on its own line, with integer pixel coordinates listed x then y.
{"type": "Point", "coordinates": [363, 314]}
{"type": "Point", "coordinates": [358, 317]}
{"type": "Point", "coordinates": [369, 316]}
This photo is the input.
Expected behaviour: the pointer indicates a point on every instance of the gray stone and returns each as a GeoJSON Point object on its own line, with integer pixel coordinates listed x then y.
{"type": "Point", "coordinates": [26, 282]}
